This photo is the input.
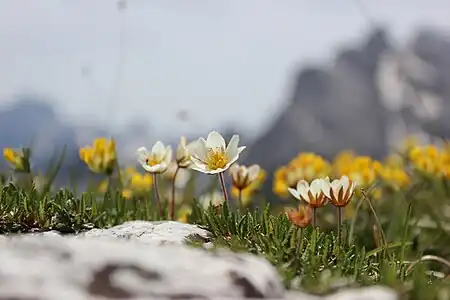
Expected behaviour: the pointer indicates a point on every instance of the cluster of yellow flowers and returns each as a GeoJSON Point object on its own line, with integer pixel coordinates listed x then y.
{"type": "Point", "coordinates": [305, 166]}
{"type": "Point", "coordinates": [430, 159]}
{"type": "Point", "coordinates": [363, 170]}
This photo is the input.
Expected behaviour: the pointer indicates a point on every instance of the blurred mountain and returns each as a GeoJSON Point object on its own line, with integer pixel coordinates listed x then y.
{"type": "Point", "coordinates": [30, 122]}
{"type": "Point", "coordinates": [367, 100]}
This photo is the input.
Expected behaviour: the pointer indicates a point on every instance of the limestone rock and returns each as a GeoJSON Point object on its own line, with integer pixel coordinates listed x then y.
{"type": "Point", "coordinates": [45, 267]}
{"type": "Point", "coordinates": [153, 232]}
{"type": "Point", "coordinates": [367, 293]}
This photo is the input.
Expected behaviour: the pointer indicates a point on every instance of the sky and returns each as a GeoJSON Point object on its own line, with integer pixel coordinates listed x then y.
{"type": "Point", "coordinates": [223, 62]}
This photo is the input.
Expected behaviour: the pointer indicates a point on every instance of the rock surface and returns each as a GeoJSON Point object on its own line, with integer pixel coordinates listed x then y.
{"type": "Point", "coordinates": [153, 232]}
{"type": "Point", "coordinates": [141, 260]}
{"type": "Point", "coordinates": [44, 267]}
{"type": "Point", "coordinates": [369, 293]}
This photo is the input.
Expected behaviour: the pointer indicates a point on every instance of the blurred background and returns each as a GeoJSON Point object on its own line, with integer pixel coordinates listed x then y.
{"type": "Point", "coordinates": [287, 75]}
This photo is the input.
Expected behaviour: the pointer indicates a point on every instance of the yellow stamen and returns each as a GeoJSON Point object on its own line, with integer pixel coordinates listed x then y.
{"type": "Point", "coordinates": [216, 159]}
{"type": "Point", "coordinates": [152, 161]}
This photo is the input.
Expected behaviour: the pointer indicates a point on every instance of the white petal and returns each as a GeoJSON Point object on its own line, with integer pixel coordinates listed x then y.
{"type": "Point", "coordinates": [142, 154]}
{"type": "Point", "coordinates": [303, 189]}
{"type": "Point", "coordinates": [316, 186]}
{"type": "Point", "coordinates": [240, 149]}
{"type": "Point", "coordinates": [253, 172]}
{"type": "Point", "coordinates": [216, 171]}
{"type": "Point", "coordinates": [168, 155]}
{"type": "Point", "coordinates": [232, 148]}
{"type": "Point", "coordinates": [231, 161]}
{"type": "Point", "coordinates": [159, 150]}
{"type": "Point", "coordinates": [146, 167]}
{"type": "Point", "coordinates": [336, 186]}
{"type": "Point", "coordinates": [215, 140]}
{"type": "Point", "coordinates": [156, 168]}
{"type": "Point", "coordinates": [345, 182]}
{"type": "Point", "coordinates": [294, 193]}
{"type": "Point", "coordinates": [200, 151]}
{"type": "Point", "coordinates": [197, 162]}
{"type": "Point", "coordinates": [198, 168]}
{"type": "Point", "coordinates": [326, 187]}
{"type": "Point", "coordinates": [191, 147]}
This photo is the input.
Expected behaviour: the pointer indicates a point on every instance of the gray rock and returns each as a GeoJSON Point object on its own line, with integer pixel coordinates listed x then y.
{"type": "Point", "coordinates": [152, 232]}
{"type": "Point", "coordinates": [45, 267]}
{"type": "Point", "coordinates": [368, 293]}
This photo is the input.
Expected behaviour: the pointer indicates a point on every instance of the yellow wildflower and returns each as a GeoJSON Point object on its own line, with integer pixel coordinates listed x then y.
{"type": "Point", "coordinates": [141, 182]}
{"type": "Point", "coordinates": [101, 158]}
{"type": "Point", "coordinates": [19, 160]}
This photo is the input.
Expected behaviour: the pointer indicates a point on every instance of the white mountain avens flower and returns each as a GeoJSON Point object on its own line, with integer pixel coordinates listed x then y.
{"type": "Point", "coordinates": [213, 156]}
{"type": "Point", "coordinates": [340, 191]}
{"type": "Point", "coordinates": [157, 160]}
{"type": "Point", "coordinates": [312, 193]}
{"type": "Point", "coordinates": [184, 150]}
{"type": "Point", "coordinates": [243, 176]}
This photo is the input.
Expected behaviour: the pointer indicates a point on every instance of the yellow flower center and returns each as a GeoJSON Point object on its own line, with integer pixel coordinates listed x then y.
{"type": "Point", "coordinates": [216, 159]}
{"type": "Point", "coordinates": [152, 161]}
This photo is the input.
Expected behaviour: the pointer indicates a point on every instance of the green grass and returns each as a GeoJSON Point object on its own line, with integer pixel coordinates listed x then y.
{"type": "Point", "coordinates": [311, 260]}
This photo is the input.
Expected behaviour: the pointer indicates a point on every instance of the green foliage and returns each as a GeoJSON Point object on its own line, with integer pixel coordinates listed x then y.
{"type": "Point", "coordinates": [307, 259]}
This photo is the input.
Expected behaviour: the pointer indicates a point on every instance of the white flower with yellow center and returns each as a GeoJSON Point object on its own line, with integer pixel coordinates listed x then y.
{"type": "Point", "coordinates": [213, 156]}
{"type": "Point", "coordinates": [157, 160]}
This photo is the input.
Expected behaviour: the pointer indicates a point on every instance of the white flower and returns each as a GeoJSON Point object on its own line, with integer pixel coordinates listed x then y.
{"type": "Point", "coordinates": [340, 191]}
{"type": "Point", "coordinates": [156, 161]}
{"type": "Point", "coordinates": [313, 194]}
{"type": "Point", "coordinates": [213, 156]}
{"type": "Point", "coordinates": [215, 198]}
{"type": "Point", "coordinates": [242, 176]}
{"type": "Point", "coordinates": [183, 175]}
{"type": "Point", "coordinates": [184, 150]}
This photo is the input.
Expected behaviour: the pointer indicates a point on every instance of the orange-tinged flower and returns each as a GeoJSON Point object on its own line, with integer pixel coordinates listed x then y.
{"type": "Point", "coordinates": [301, 216]}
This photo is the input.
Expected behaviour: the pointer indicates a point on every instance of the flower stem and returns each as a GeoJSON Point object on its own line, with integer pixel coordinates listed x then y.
{"type": "Point", "coordinates": [155, 185]}
{"type": "Point", "coordinates": [222, 184]}
{"type": "Point", "coordinates": [339, 211]}
{"type": "Point", "coordinates": [300, 235]}
{"type": "Point", "coordinates": [314, 217]}
{"type": "Point", "coordinates": [172, 203]}
{"type": "Point", "coordinates": [240, 200]}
